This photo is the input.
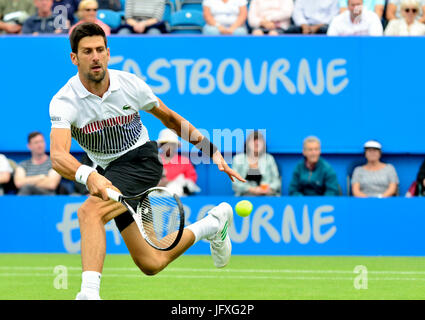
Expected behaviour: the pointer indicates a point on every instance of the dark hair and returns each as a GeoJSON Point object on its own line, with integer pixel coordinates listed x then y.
{"type": "Point", "coordinates": [86, 29]}
{"type": "Point", "coordinates": [33, 134]}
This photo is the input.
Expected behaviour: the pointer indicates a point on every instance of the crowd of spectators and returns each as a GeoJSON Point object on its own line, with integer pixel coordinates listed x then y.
{"type": "Point", "coordinates": [312, 174]}
{"type": "Point", "coordinates": [222, 17]}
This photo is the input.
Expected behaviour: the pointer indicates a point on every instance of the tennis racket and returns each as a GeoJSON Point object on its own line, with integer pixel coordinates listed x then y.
{"type": "Point", "coordinates": [159, 215]}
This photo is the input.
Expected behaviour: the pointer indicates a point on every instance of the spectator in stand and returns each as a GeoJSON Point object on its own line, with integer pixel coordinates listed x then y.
{"type": "Point", "coordinates": [270, 17]}
{"type": "Point", "coordinates": [225, 17]}
{"type": "Point", "coordinates": [87, 12]}
{"type": "Point", "coordinates": [13, 14]}
{"type": "Point", "coordinates": [313, 16]}
{"type": "Point", "coordinates": [313, 176]}
{"type": "Point", "coordinates": [114, 5]}
{"type": "Point", "coordinates": [257, 167]}
{"type": "Point", "coordinates": [375, 178]}
{"type": "Point", "coordinates": [377, 6]}
{"type": "Point", "coordinates": [144, 16]}
{"type": "Point", "coordinates": [5, 172]}
{"type": "Point", "coordinates": [35, 176]}
{"type": "Point", "coordinates": [44, 21]}
{"type": "Point", "coordinates": [356, 21]}
{"type": "Point", "coordinates": [71, 7]}
{"type": "Point", "coordinates": [179, 175]}
{"type": "Point", "coordinates": [394, 10]}
{"type": "Point", "coordinates": [407, 25]}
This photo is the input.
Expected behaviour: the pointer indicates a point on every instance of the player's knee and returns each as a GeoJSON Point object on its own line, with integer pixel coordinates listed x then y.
{"type": "Point", "coordinates": [152, 268]}
{"type": "Point", "coordinates": [87, 212]}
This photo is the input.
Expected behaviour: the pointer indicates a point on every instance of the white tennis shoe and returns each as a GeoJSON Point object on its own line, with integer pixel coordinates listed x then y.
{"type": "Point", "coordinates": [220, 244]}
{"type": "Point", "coordinates": [85, 296]}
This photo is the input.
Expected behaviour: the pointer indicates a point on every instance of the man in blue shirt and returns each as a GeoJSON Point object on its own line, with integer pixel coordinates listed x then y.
{"type": "Point", "coordinates": [71, 7]}
{"type": "Point", "coordinates": [313, 176]}
{"type": "Point", "coordinates": [44, 21]}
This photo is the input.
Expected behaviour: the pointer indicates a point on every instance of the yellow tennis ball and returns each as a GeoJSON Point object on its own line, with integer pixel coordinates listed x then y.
{"type": "Point", "coordinates": [244, 208]}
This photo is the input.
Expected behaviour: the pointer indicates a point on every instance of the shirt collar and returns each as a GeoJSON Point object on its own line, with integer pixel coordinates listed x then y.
{"type": "Point", "coordinates": [83, 92]}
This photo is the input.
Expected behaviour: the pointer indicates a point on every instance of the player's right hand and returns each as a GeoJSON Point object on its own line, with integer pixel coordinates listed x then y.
{"type": "Point", "coordinates": [97, 184]}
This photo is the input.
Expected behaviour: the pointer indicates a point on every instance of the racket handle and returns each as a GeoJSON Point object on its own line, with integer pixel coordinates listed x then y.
{"type": "Point", "coordinates": [113, 195]}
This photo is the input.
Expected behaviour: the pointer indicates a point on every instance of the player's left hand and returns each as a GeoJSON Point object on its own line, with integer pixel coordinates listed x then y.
{"type": "Point", "coordinates": [223, 166]}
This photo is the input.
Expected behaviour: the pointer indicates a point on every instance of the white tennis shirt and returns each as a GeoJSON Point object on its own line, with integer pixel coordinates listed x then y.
{"type": "Point", "coordinates": [107, 127]}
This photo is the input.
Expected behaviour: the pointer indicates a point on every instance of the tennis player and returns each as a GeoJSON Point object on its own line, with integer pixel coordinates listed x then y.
{"type": "Point", "coordinates": [99, 108]}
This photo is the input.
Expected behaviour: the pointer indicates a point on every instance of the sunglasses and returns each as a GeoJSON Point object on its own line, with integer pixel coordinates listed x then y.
{"type": "Point", "coordinates": [89, 9]}
{"type": "Point", "coordinates": [414, 10]}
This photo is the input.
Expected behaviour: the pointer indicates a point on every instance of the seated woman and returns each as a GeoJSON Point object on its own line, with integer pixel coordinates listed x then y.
{"type": "Point", "coordinates": [407, 25]}
{"type": "Point", "coordinates": [225, 17]}
{"type": "Point", "coordinates": [257, 167]}
{"type": "Point", "coordinates": [270, 17]}
{"type": "Point", "coordinates": [375, 178]}
{"type": "Point", "coordinates": [144, 17]}
{"type": "Point", "coordinates": [179, 174]}
{"type": "Point", "coordinates": [87, 12]}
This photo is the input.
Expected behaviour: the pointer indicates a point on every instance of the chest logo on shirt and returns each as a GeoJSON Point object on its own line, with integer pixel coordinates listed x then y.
{"type": "Point", "coordinates": [126, 107]}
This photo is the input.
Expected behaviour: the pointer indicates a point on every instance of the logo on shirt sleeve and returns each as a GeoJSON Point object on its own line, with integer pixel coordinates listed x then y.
{"type": "Point", "coordinates": [55, 118]}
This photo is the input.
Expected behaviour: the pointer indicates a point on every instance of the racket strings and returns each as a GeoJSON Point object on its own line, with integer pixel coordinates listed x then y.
{"type": "Point", "coordinates": [160, 217]}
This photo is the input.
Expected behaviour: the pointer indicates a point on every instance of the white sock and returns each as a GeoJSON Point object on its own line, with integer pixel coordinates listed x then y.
{"type": "Point", "coordinates": [91, 282]}
{"type": "Point", "coordinates": [204, 228]}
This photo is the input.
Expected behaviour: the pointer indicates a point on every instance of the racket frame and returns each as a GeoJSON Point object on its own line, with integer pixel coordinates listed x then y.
{"type": "Point", "coordinates": [118, 197]}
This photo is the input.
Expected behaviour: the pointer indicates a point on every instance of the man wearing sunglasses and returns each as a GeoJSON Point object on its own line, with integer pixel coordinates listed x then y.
{"type": "Point", "coordinates": [394, 9]}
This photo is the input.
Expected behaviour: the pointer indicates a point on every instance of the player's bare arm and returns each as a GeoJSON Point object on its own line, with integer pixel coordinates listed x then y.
{"type": "Point", "coordinates": [67, 165]}
{"type": "Point", "coordinates": [187, 131]}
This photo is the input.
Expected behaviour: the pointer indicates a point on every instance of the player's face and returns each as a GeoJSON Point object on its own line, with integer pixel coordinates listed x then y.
{"type": "Point", "coordinates": [312, 151]}
{"type": "Point", "coordinates": [92, 58]}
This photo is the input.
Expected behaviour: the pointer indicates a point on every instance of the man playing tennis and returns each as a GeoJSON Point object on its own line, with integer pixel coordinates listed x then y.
{"type": "Point", "coordinates": [99, 108]}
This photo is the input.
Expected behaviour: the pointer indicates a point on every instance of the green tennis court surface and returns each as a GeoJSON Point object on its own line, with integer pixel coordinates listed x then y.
{"type": "Point", "coordinates": [58, 276]}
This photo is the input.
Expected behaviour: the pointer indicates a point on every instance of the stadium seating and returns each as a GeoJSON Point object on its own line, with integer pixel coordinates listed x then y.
{"type": "Point", "coordinates": [170, 8]}
{"type": "Point", "coordinates": [122, 5]}
{"type": "Point", "coordinates": [187, 21]}
{"type": "Point", "coordinates": [111, 18]}
{"type": "Point", "coordinates": [189, 5]}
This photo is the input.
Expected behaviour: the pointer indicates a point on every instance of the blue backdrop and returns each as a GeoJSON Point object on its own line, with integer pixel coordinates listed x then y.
{"type": "Point", "coordinates": [344, 90]}
{"type": "Point", "coordinates": [277, 226]}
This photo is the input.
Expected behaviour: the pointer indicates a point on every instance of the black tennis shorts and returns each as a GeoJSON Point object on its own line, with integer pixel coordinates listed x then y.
{"type": "Point", "coordinates": [133, 173]}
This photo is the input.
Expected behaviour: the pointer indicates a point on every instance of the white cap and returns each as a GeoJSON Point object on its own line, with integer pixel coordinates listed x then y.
{"type": "Point", "coordinates": [373, 144]}
{"type": "Point", "coordinates": [167, 136]}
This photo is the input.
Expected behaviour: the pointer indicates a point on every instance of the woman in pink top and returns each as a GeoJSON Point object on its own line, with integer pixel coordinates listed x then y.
{"type": "Point", "coordinates": [87, 12]}
{"type": "Point", "coordinates": [270, 16]}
